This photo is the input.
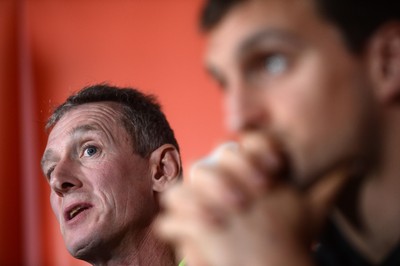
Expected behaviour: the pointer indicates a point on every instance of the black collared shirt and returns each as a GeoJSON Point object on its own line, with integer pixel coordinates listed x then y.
{"type": "Point", "coordinates": [333, 250]}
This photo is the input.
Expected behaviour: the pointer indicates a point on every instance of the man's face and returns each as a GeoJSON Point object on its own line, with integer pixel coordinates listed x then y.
{"type": "Point", "coordinates": [101, 192]}
{"type": "Point", "coordinates": [286, 72]}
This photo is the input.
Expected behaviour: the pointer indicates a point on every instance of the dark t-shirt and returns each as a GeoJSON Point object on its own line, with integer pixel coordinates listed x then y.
{"type": "Point", "coordinates": [333, 250]}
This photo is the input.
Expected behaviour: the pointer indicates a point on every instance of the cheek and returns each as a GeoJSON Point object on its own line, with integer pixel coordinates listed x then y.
{"type": "Point", "coordinates": [118, 172]}
{"type": "Point", "coordinates": [103, 174]}
{"type": "Point", "coordinates": [295, 106]}
{"type": "Point", "coordinates": [120, 183]}
{"type": "Point", "coordinates": [311, 106]}
{"type": "Point", "coordinates": [316, 96]}
{"type": "Point", "coordinates": [55, 203]}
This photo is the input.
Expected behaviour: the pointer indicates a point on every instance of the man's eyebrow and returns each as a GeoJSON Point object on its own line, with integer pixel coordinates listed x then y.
{"type": "Point", "coordinates": [82, 129]}
{"type": "Point", "coordinates": [273, 34]}
{"type": "Point", "coordinates": [49, 154]}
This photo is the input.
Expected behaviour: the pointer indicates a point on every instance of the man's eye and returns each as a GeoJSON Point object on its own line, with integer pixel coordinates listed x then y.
{"type": "Point", "coordinates": [49, 172]}
{"type": "Point", "coordinates": [89, 151]}
{"type": "Point", "coordinates": [276, 64]}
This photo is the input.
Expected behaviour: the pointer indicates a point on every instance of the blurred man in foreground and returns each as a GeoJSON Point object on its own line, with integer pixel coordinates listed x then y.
{"type": "Point", "coordinates": [312, 89]}
{"type": "Point", "coordinates": [109, 156]}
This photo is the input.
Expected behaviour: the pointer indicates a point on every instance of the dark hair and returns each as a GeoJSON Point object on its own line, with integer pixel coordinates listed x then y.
{"type": "Point", "coordinates": [141, 115]}
{"type": "Point", "coordinates": [214, 11]}
{"type": "Point", "coordinates": [356, 19]}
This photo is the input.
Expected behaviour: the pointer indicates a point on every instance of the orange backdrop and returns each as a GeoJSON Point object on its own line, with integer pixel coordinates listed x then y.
{"type": "Point", "coordinates": [50, 48]}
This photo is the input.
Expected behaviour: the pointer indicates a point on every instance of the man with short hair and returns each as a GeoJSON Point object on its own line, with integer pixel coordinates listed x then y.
{"type": "Point", "coordinates": [312, 89]}
{"type": "Point", "coordinates": [110, 155]}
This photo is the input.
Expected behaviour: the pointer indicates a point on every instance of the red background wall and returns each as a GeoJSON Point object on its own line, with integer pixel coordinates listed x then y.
{"type": "Point", "coordinates": [49, 49]}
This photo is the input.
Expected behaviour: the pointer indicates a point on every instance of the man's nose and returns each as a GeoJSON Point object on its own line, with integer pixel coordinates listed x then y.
{"type": "Point", "coordinates": [64, 178]}
{"type": "Point", "coordinates": [245, 108]}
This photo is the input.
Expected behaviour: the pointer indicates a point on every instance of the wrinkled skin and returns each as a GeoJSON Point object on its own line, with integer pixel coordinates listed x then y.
{"type": "Point", "coordinates": [89, 160]}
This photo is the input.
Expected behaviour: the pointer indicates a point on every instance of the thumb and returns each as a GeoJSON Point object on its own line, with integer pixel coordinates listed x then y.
{"type": "Point", "coordinates": [263, 151]}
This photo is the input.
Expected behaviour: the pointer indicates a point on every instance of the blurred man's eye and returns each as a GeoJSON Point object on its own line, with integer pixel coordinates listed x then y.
{"type": "Point", "coordinates": [270, 64]}
{"type": "Point", "coordinates": [276, 64]}
{"type": "Point", "coordinates": [263, 67]}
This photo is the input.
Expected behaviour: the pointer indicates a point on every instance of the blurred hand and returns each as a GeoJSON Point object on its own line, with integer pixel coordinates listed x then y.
{"type": "Point", "coordinates": [237, 210]}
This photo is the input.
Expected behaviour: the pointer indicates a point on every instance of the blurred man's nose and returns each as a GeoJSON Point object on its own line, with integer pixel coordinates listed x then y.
{"type": "Point", "coordinates": [244, 108]}
{"type": "Point", "coordinates": [64, 178]}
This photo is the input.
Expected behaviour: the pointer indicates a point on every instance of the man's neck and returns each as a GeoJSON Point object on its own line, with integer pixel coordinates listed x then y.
{"type": "Point", "coordinates": [150, 250]}
{"type": "Point", "coordinates": [372, 225]}
{"type": "Point", "coordinates": [153, 251]}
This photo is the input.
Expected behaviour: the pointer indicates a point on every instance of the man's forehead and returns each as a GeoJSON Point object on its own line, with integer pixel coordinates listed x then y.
{"type": "Point", "coordinates": [99, 110]}
{"type": "Point", "coordinates": [89, 117]}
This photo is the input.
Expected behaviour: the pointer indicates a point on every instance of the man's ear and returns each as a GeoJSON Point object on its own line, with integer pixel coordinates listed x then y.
{"type": "Point", "coordinates": [165, 167]}
{"type": "Point", "coordinates": [383, 54]}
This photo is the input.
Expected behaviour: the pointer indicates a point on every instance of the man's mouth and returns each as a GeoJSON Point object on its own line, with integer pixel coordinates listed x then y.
{"type": "Point", "coordinates": [72, 212]}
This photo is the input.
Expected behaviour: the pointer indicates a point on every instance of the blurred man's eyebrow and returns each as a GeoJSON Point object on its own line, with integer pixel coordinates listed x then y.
{"type": "Point", "coordinates": [273, 34]}
{"type": "Point", "coordinates": [211, 70]}
{"type": "Point", "coordinates": [246, 46]}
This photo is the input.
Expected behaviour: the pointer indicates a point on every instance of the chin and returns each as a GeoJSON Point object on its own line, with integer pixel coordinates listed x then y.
{"type": "Point", "coordinates": [83, 248]}
{"type": "Point", "coordinates": [300, 180]}
{"type": "Point", "coordinates": [305, 175]}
